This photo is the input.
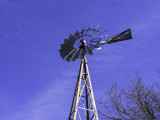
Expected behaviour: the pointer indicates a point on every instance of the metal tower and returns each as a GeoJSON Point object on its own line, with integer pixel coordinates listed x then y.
{"type": "Point", "coordinates": [76, 46]}
{"type": "Point", "coordinates": [83, 98]}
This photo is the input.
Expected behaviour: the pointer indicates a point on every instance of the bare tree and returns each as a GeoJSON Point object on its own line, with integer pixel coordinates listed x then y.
{"type": "Point", "coordinates": [138, 102]}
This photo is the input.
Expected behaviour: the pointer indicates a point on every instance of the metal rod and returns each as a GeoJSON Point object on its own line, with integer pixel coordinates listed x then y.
{"type": "Point", "coordinates": [85, 109]}
{"type": "Point", "coordinates": [76, 88]}
{"type": "Point", "coordinates": [93, 102]}
{"type": "Point", "coordinates": [86, 91]}
{"type": "Point", "coordinates": [79, 83]}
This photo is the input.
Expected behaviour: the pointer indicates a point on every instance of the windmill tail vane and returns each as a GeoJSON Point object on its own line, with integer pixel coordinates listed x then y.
{"type": "Point", "coordinates": [83, 105]}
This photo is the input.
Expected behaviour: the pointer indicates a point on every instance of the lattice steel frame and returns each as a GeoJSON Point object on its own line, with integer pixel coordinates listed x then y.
{"type": "Point", "coordinates": [83, 85]}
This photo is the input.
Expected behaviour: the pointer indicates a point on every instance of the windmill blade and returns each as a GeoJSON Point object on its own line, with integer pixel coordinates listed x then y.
{"type": "Point", "coordinates": [95, 46]}
{"type": "Point", "coordinates": [77, 34]}
{"type": "Point", "coordinates": [103, 36]}
{"type": "Point", "coordinates": [71, 40]}
{"type": "Point", "coordinates": [103, 42]}
{"type": "Point", "coordinates": [89, 51]}
{"type": "Point", "coordinates": [82, 53]}
{"type": "Point", "coordinates": [69, 45]}
{"type": "Point", "coordinates": [75, 55]}
{"type": "Point", "coordinates": [96, 27]}
{"type": "Point", "coordinates": [65, 41]}
{"type": "Point", "coordinates": [88, 30]}
{"type": "Point", "coordinates": [69, 56]}
{"type": "Point", "coordinates": [63, 51]}
{"type": "Point", "coordinates": [63, 46]}
{"type": "Point", "coordinates": [90, 27]}
{"type": "Point", "coordinates": [125, 35]}
{"type": "Point", "coordinates": [82, 32]}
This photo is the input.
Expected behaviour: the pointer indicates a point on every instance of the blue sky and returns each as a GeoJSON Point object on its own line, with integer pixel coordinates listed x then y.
{"type": "Point", "coordinates": [37, 84]}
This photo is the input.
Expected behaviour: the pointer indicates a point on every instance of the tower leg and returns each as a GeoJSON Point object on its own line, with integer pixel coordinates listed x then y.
{"type": "Point", "coordinates": [74, 108]}
{"type": "Point", "coordinates": [86, 91]}
{"type": "Point", "coordinates": [81, 110]}
{"type": "Point", "coordinates": [92, 95]}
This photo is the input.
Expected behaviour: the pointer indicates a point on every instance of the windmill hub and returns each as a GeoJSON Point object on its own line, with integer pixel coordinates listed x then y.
{"type": "Point", "coordinates": [83, 45]}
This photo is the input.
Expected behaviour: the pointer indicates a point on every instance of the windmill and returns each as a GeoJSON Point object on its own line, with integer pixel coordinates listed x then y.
{"type": "Point", "coordinates": [76, 47]}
